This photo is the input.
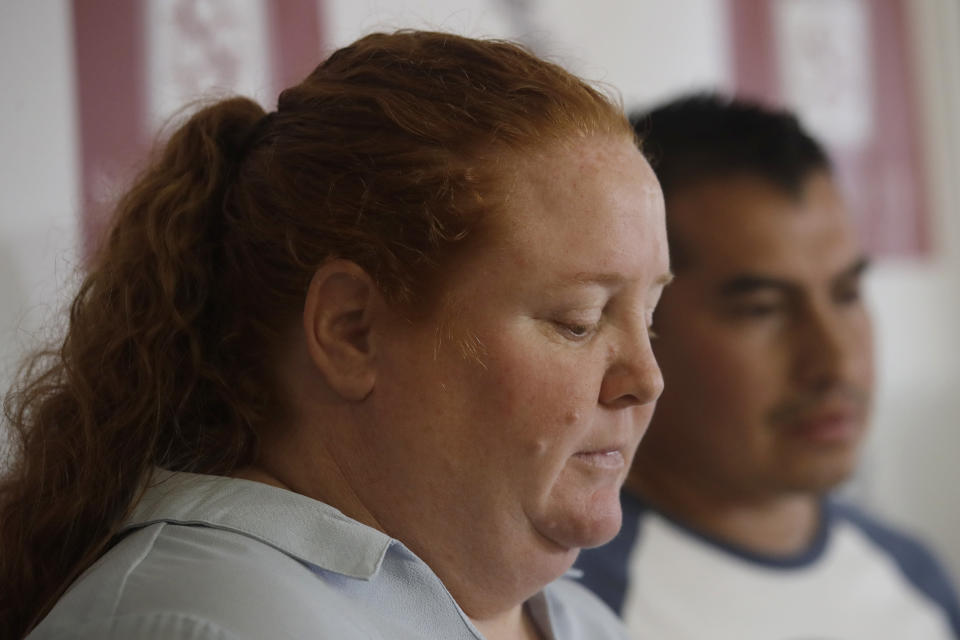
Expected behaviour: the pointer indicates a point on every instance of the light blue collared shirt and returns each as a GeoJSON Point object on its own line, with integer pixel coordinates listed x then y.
{"type": "Point", "coordinates": [214, 558]}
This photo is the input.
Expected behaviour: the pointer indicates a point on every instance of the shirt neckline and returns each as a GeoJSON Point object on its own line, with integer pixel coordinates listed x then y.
{"type": "Point", "coordinates": [803, 558]}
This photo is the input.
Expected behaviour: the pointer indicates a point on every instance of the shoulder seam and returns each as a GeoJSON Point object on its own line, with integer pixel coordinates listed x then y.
{"type": "Point", "coordinates": [129, 571]}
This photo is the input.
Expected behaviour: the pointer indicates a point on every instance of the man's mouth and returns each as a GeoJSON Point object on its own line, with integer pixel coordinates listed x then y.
{"type": "Point", "coordinates": [833, 418]}
{"type": "Point", "coordinates": [838, 420]}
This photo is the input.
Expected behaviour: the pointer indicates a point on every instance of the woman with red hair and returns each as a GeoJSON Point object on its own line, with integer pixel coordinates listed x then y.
{"type": "Point", "coordinates": [373, 365]}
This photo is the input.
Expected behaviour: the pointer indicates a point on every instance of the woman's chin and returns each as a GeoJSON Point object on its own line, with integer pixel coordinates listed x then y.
{"type": "Point", "coordinates": [592, 526]}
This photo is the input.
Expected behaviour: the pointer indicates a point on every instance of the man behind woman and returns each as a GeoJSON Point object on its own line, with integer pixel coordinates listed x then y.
{"type": "Point", "coordinates": [766, 348]}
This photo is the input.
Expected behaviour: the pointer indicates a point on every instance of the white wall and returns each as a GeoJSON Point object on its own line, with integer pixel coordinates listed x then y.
{"type": "Point", "coordinates": [912, 469]}
{"type": "Point", "coordinates": [645, 49]}
{"type": "Point", "coordinates": [39, 199]}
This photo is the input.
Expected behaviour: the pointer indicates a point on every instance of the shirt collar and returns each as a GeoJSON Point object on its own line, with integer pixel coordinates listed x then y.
{"type": "Point", "coordinates": [303, 528]}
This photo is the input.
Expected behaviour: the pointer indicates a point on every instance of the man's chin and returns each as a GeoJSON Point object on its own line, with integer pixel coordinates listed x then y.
{"type": "Point", "coordinates": [823, 476]}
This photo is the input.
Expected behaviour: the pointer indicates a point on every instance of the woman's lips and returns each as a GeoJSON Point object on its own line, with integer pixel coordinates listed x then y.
{"type": "Point", "coordinates": [602, 458]}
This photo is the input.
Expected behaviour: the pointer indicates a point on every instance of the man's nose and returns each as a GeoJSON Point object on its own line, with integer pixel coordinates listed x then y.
{"type": "Point", "coordinates": [826, 346]}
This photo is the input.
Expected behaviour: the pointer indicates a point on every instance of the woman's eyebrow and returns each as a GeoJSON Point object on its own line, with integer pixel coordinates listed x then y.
{"type": "Point", "coordinates": [604, 279]}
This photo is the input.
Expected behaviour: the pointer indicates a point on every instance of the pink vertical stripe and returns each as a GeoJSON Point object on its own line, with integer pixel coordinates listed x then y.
{"type": "Point", "coordinates": [754, 61]}
{"type": "Point", "coordinates": [109, 59]}
{"type": "Point", "coordinates": [896, 149]}
{"type": "Point", "coordinates": [892, 221]}
{"type": "Point", "coordinates": [295, 38]}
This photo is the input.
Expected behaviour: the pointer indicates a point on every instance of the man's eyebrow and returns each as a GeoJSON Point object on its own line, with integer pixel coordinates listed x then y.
{"type": "Point", "coordinates": [749, 283]}
{"type": "Point", "coordinates": [855, 270]}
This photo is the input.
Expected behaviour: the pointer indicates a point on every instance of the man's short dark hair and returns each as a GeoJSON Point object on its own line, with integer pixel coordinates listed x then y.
{"type": "Point", "coordinates": [705, 136]}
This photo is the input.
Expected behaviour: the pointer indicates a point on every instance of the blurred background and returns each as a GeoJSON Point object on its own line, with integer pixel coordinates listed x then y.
{"type": "Point", "coordinates": [85, 85]}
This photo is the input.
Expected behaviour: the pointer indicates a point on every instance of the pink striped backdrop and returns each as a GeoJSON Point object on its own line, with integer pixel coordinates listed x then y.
{"type": "Point", "coordinates": [112, 61]}
{"type": "Point", "coordinates": [882, 174]}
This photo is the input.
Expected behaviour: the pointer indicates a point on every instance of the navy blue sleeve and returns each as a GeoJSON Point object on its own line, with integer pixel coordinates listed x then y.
{"type": "Point", "coordinates": [605, 568]}
{"type": "Point", "coordinates": [916, 562]}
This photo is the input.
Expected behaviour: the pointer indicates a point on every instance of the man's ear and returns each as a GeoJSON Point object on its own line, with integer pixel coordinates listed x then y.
{"type": "Point", "coordinates": [341, 302]}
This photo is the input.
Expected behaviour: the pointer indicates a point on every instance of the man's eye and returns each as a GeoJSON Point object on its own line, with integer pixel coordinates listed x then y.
{"type": "Point", "coordinates": [847, 295]}
{"type": "Point", "coordinates": [757, 310]}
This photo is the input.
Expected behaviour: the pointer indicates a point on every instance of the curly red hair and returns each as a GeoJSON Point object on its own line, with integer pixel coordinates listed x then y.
{"type": "Point", "coordinates": [388, 155]}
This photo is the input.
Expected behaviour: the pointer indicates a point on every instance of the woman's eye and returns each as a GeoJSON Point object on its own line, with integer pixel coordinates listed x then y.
{"type": "Point", "coordinates": [651, 327]}
{"type": "Point", "coordinates": [576, 330]}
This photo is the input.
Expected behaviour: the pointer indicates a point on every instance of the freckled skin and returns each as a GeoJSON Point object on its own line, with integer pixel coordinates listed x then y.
{"type": "Point", "coordinates": [495, 437]}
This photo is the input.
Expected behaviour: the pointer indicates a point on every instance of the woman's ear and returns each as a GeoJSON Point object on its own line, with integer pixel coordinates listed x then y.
{"type": "Point", "coordinates": [337, 318]}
